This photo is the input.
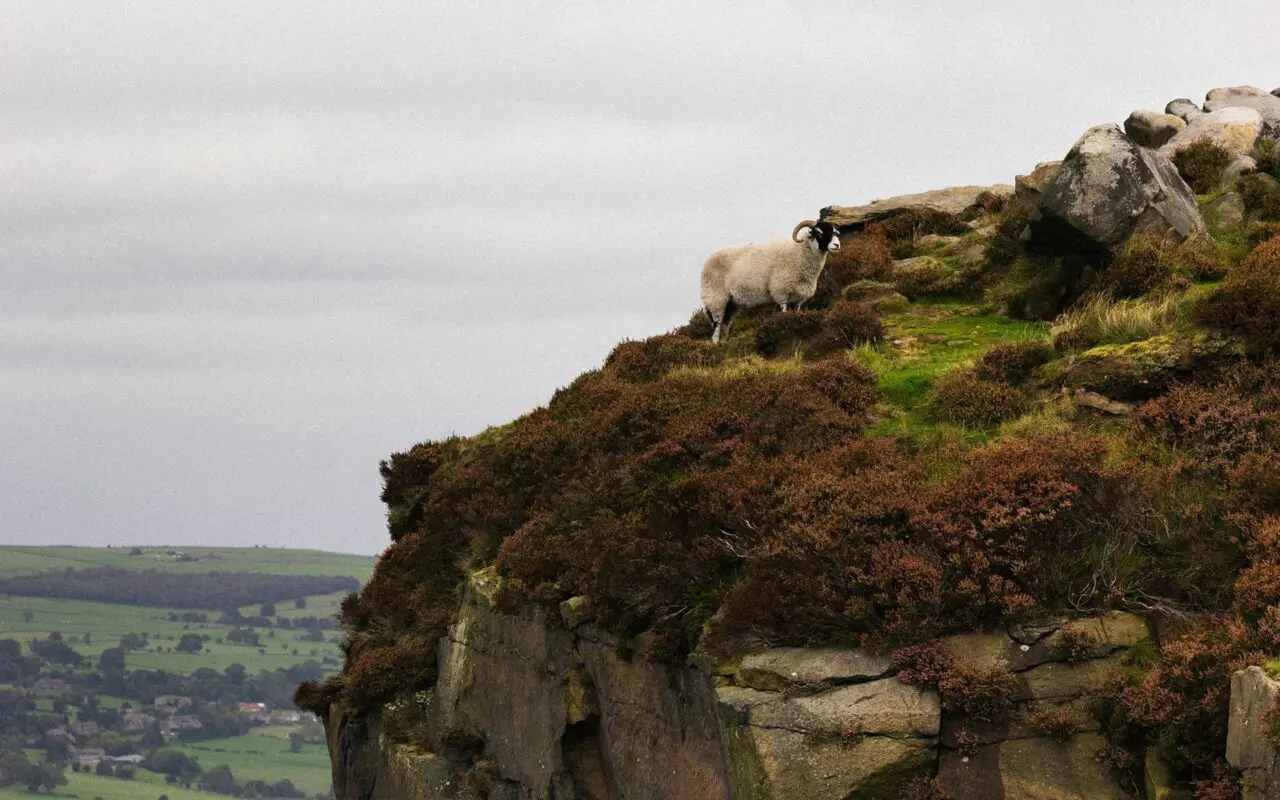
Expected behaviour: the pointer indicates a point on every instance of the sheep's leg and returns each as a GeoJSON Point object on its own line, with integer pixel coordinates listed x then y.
{"type": "Point", "coordinates": [783, 306]}
{"type": "Point", "coordinates": [721, 329]}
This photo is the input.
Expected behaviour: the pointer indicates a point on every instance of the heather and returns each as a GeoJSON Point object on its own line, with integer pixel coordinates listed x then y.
{"type": "Point", "coordinates": [885, 474]}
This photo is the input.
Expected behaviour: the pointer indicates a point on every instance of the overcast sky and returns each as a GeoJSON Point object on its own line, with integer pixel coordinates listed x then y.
{"type": "Point", "coordinates": [248, 248]}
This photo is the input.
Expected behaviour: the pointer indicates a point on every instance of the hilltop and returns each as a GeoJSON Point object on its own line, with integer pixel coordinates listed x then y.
{"type": "Point", "coordinates": [1041, 412]}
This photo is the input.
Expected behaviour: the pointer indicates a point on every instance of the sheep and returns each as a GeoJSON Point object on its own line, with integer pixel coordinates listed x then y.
{"type": "Point", "coordinates": [750, 275]}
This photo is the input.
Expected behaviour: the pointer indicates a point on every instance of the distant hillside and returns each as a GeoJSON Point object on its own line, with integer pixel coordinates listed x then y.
{"type": "Point", "coordinates": [32, 560]}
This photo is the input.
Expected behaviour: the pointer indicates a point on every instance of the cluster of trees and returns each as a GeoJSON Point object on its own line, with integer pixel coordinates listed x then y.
{"type": "Point", "coordinates": [211, 590]}
{"type": "Point", "coordinates": [17, 770]}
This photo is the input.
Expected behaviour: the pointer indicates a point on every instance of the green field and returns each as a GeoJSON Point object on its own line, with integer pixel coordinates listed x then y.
{"type": "Point", "coordinates": [28, 560]}
{"type": "Point", "coordinates": [106, 623]}
{"type": "Point", "coordinates": [263, 754]}
{"type": "Point", "coordinates": [146, 786]}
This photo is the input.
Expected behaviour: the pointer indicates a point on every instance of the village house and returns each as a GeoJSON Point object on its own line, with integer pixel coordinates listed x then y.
{"type": "Point", "coordinates": [84, 729]}
{"type": "Point", "coordinates": [133, 759]}
{"type": "Point", "coordinates": [136, 721]}
{"type": "Point", "coordinates": [49, 686]}
{"type": "Point", "coordinates": [88, 756]}
{"type": "Point", "coordinates": [285, 718]}
{"type": "Point", "coordinates": [170, 703]}
{"type": "Point", "coordinates": [176, 723]}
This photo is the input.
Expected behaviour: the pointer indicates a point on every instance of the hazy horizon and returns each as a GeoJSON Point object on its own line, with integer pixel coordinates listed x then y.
{"type": "Point", "coordinates": [249, 250]}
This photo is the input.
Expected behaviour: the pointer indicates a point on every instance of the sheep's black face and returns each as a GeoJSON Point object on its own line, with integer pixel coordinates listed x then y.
{"type": "Point", "coordinates": [824, 234]}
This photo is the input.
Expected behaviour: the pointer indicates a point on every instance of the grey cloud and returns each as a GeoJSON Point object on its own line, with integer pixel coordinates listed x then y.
{"type": "Point", "coordinates": [247, 249]}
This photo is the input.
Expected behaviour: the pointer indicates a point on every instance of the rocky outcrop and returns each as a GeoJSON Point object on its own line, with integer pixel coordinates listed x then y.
{"type": "Point", "coordinates": [1234, 128]}
{"type": "Point", "coordinates": [964, 202]}
{"type": "Point", "coordinates": [1267, 105]}
{"type": "Point", "coordinates": [1184, 109]}
{"type": "Point", "coordinates": [1109, 189]}
{"type": "Point", "coordinates": [1250, 746]}
{"type": "Point", "coordinates": [1047, 747]}
{"type": "Point", "coordinates": [527, 709]}
{"type": "Point", "coordinates": [1151, 128]}
{"type": "Point", "coordinates": [1141, 370]}
{"type": "Point", "coordinates": [1031, 186]}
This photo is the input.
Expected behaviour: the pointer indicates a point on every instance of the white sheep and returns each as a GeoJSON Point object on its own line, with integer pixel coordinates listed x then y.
{"type": "Point", "coordinates": [784, 271]}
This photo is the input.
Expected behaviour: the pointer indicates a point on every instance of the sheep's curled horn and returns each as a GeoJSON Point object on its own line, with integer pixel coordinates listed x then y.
{"type": "Point", "coordinates": [808, 223]}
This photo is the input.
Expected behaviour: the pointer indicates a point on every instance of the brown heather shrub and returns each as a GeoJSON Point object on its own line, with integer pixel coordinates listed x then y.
{"type": "Point", "coordinates": [1006, 245]}
{"type": "Point", "coordinates": [961, 397]}
{"type": "Point", "coordinates": [862, 256]}
{"type": "Point", "coordinates": [1201, 164]}
{"type": "Point", "coordinates": [698, 326]}
{"type": "Point", "coordinates": [379, 674]}
{"type": "Point", "coordinates": [1266, 152]}
{"type": "Point", "coordinates": [784, 327]}
{"type": "Point", "coordinates": [1261, 196]}
{"type": "Point", "coordinates": [990, 202]}
{"type": "Point", "coordinates": [1258, 232]}
{"type": "Point", "coordinates": [924, 789]}
{"type": "Point", "coordinates": [1182, 704]}
{"type": "Point", "coordinates": [1075, 644]}
{"type": "Point", "coordinates": [1216, 426]}
{"type": "Point", "coordinates": [1059, 723]}
{"type": "Point", "coordinates": [983, 694]}
{"type": "Point", "coordinates": [1223, 784]}
{"type": "Point", "coordinates": [852, 324]}
{"type": "Point", "coordinates": [1144, 265]}
{"type": "Point", "coordinates": [1247, 303]}
{"type": "Point", "coordinates": [319, 697]}
{"type": "Point", "coordinates": [651, 358]}
{"type": "Point", "coordinates": [922, 664]}
{"type": "Point", "coordinates": [904, 229]}
{"type": "Point", "coordinates": [1013, 362]}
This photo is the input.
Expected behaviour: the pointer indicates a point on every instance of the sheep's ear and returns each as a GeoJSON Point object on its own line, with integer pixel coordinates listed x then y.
{"type": "Point", "coordinates": [804, 235]}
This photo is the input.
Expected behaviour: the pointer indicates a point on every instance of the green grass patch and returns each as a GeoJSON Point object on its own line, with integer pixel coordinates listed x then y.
{"type": "Point", "coordinates": [83, 785]}
{"type": "Point", "coordinates": [924, 342]}
{"type": "Point", "coordinates": [263, 755]}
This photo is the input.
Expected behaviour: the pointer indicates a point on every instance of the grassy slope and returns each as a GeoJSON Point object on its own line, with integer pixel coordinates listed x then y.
{"type": "Point", "coordinates": [924, 342]}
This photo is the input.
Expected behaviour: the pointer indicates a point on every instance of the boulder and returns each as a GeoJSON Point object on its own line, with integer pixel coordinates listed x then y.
{"type": "Point", "coordinates": [865, 740]}
{"type": "Point", "coordinates": [1225, 212]}
{"type": "Point", "coordinates": [1030, 768]}
{"type": "Point", "coordinates": [781, 668]}
{"type": "Point", "coordinates": [1267, 105]}
{"type": "Point", "coordinates": [1108, 189]}
{"type": "Point", "coordinates": [1098, 402]}
{"type": "Point", "coordinates": [1151, 128]}
{"type": "Point", "coordinates": [1249, 747]}
{"type": "Point", "coordinates": [1235, 128]}
{"type": "Point", "coordinates": [1184, 109]}
{"type": "Point", "coordinates": [1240, 165]}
{"type": "Point", "coordinates": [1141, 370]}
{"type": "Point", "coordinates": [1032, 186]}
{"type": "Point", "coordinates": [804, 767]}
{"type": "Point", "coordinates": [1023, 649]}
{"type": "Point", "coordinates": [881, 708]}
{"type": "Point", "coordinates": [964, 202]}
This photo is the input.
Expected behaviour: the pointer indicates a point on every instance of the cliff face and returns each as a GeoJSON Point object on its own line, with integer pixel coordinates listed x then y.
{"type": "Point", "coordinates": [1023, 412]}
{"type": "Point", "coordinates": [530, 705]}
